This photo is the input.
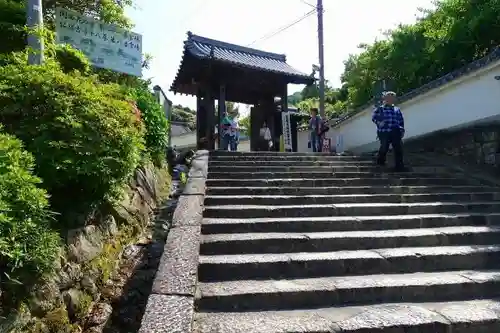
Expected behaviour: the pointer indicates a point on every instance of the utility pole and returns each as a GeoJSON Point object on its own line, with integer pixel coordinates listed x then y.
{"type": "Point", "coordinates": [319, 9]}
{"type": "Point", "coordinates": [34, 20]}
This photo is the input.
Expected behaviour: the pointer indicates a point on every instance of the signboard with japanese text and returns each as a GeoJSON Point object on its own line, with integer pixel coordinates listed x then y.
{"type": "Point", "coordinates": [326, 145]}
{"type": "Point", "coordinates": [106, 46]}
{"type": "Point", "coordinates": [287, 131]}
{"type": "Point", "coordinates": [339, 144]}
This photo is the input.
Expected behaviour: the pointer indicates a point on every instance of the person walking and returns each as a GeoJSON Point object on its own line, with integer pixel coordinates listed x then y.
{"type": "Point", "coordinates": [225, 132]}
{"type": "Point", "coordinates": [235, 134]}
{"type": "Point", "coordinates": [265, 136]}
{"type": "Point", "coordinates": [390, 130]}
{"type": "Point", "coordinates": [315, 128]}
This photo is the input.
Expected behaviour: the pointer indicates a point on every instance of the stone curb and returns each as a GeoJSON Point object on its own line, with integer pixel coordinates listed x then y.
{"type": "Point", "coordinates": [170, 307]}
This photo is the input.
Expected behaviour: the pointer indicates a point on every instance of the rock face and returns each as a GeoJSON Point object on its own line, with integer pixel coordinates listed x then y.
{"type": "Point", "coordinates": [73, 301]}
{"type": "Point", "coordinates": [315, 243]}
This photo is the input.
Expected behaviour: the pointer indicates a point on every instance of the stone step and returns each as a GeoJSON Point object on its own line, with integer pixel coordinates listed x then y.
{"type": "Point", "coordinates": [280, 162]}
{"type": "Point", "coordinates": [345, 223]}
{"type": "Point", "coordinates": [325, 174]}
{"type": "Point", "coordinates": [349, 198]}
{"type": "Point", "coordinates": [268, 295]}
{"type": "Point", "coordinates": [358, 209]}
{"type": "Point", "coordinates": [291, 157]}
{"type": "Point", "coordinates": [241, 243]}
{"type": "Point", "coordinates": [320, 182]}
{"type": "Point", "coordinates": [317, 168]}
{"type": "Point", "coordinates": [237, 267]}
{"type": "Point", "coordinates": [222, 189]}
{"type": "Point", "coordinates": [474, 316]}
{"type": "Point", "coordinates": [278, 153]}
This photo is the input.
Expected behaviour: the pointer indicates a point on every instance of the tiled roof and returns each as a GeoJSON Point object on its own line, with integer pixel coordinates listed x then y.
{"type": "Point", "coordinates": [472, 67]}
{"type": "Point", "coordinates": [206, 48]}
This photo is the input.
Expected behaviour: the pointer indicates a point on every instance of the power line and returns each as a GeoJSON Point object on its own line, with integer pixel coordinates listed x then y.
{"type": "Point", "coordinates": [307, 3]}
{"type": "Point", "coordinates": [280, 30]}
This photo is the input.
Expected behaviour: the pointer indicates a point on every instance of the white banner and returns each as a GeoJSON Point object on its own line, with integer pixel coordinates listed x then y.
{"type": "Point", "coordinates": [339, 144]}
{"type": "Point", "coordinates": [106, 46]}
{"type": "Point", "coordinates": [287, 131]}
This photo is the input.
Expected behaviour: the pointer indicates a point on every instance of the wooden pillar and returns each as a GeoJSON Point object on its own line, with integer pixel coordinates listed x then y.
{"type": "Point", "coordinates": [254, 128]}
{"type": "Point", "coordinates": [221, 111]}
{"type": "Point", "coordinates": [199, 111]}
{"type": "Point", "coordinates": [201, 120]}
{"type": "Point", "coordinates": [210, 119]}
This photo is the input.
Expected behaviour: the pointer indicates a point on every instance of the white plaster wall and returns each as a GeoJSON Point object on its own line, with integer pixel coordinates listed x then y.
{"type": "Point", "coordinates": [467, 100]}
{"type": "Point", "coordinates": [184, 140]}
{"type": "Point", "coordinates": [302, 142]}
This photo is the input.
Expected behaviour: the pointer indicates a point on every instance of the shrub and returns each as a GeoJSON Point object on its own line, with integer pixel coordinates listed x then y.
{"type": "Point", "coordinates": [28, 248]}
{"type": "Point", "coordinates": [83, 134]}
{"type": "Point", "coordinates": [71, 59]}
{"type": "Point", "coordinates": [12, 20]}
{"type": "Point", "coordinates": [155, 122]}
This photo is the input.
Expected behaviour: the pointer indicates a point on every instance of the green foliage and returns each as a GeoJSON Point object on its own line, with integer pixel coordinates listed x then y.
{"type": "Point", "coordinates": [245, 124]}
{"type": "Point", "coordinates": [446, 38]}
{"type": "Point", "coordinates": [155, 122]}
{"type": "Point", "coordinates": [28, 248]}
{"type": "Point", "coordinates": [184, 114]}
{"type": "Point", "coordinates": [83, 134]}
{"type": "Point", "coordinates": [71, 59]}
{"type": "Point", "coordinates": [308, 98]}
{"type": "Point", "coordinates": [12, 19]}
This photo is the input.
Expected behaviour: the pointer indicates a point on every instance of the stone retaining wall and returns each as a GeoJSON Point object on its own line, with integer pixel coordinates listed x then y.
{"type": "Point", "coordinates": [477, 145]}
{"type": "Point", "coordinates": [71, 300]}
{"type": "Point", "coordinates": [170, 306]}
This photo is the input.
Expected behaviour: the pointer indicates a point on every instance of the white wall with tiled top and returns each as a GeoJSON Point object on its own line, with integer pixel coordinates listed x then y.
{"type": "Point", "coordinates": [463, 102]}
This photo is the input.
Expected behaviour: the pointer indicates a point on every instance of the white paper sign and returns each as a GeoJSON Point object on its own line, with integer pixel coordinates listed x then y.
{"type": "Point", "coordinates": [106, 46]}
{"type": "Point", "coordinates": [287, 131]}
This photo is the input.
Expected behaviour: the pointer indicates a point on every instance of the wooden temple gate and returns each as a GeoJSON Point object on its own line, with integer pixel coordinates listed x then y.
{"type": "Point", "coordinates": [212, 69]}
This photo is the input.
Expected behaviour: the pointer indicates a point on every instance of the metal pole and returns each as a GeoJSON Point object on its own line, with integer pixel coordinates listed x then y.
{"type": "Point", "coordinates": [321, 60]}
{"type": "Point", "coordinates": [34, 19]}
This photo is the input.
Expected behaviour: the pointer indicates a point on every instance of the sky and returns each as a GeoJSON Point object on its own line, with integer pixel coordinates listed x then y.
{"type": "Point", "coordinates": [164, 25]}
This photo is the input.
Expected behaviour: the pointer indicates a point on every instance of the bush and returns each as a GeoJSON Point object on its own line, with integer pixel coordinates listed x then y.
{"type": "Point", "coordinates": [83, 134]}
{"type": "Point", "coordinates": [155, 122]}
{"type": "Point", "coordinates": [71, 59]}
{"type": "Point", "coordinates": [12, 20]}
{"type": "Point", "coordinates": [28, 248]}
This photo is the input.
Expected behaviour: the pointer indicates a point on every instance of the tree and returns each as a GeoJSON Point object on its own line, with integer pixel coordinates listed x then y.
{"type": "Point", "coordinates": [446, 38]}
{"type": "Point", "coordinates": [245, 125]}
{"type": "Point", "coordinates": [109, 11]}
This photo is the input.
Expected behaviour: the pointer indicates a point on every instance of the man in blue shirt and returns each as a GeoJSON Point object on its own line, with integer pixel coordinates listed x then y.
{"type": "Point", "coordinates": [390, 130]}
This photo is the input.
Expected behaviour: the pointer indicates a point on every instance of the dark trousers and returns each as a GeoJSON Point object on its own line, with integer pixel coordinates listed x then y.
{"type": "Point", "coordinates": [391, 138]}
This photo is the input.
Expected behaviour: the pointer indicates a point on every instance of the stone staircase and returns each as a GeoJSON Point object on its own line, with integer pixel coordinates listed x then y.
{"type": "Point", "coordinates": [308, 243]}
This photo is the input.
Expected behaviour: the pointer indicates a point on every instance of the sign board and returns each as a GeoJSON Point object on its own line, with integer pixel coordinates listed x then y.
{"type": "Point", "coordinates": [287, 131]}
{"type": "Point", "coordinates": [339, 144]}
{"type": "Point", "coordinates": [326, 145]}
{"type": "Point", "coordinates": [106, 46]}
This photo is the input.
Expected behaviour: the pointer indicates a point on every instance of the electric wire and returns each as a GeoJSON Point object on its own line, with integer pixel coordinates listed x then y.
{"type": "Point", "coordinates": [286, 27]}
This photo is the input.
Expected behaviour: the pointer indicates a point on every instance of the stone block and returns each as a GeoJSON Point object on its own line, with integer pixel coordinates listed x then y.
{"type": "Point", "coordinates": [177, 272]}
{"type": "Point", "coordinates": [380, 318]}
{"type": "Point", "coordinates": [189, 211]}
{"type": "Point", "coordinates": [194, 186]}
{"type": "Point", "coordinates": [168, 314]}
{"type": "Point", "coordinates": [199, 165]}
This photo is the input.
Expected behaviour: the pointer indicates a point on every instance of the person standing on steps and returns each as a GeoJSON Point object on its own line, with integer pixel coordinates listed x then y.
{"type": "Point", "coordinates": [225, 132]}
{"type": "Point", "coordinates": [390, 130]}
{"type": "Point", "coordinates": [315, 128]}
{"type": "Point", "coordinates": [235, 134]}
{"type": "Point", "coordinates": [265, 138]}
